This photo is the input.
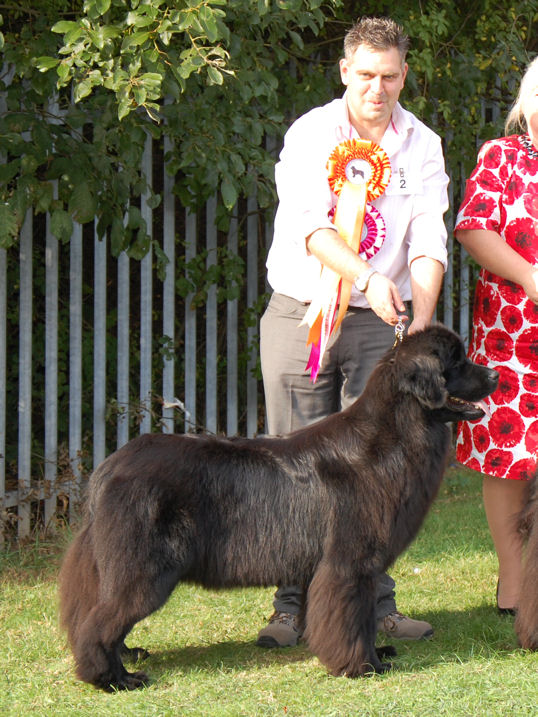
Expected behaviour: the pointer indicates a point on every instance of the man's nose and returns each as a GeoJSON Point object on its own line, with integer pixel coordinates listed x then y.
{"type": "Point", "coordinates": [376, 85]}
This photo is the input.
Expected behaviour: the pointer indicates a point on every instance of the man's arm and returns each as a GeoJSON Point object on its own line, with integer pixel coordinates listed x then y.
{"type": "Point", "coordinates": [426, 280]}
{"type": "Point", "coordinates": [382, 294]}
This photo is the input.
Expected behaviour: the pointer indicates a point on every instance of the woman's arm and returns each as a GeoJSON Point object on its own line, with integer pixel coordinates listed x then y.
{"type": "Point", "coordinates": [495, 255]}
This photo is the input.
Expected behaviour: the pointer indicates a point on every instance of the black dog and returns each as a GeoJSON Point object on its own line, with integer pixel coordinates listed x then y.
{"type": "Point", "coordinates": [526, 623]}
{"type": "Point", "coordinates": [330, 506]}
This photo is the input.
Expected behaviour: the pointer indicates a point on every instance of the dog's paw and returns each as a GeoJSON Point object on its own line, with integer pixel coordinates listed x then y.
{"type": "Point", "coordinates": [367, 670]}
{"type": "Point", "coordinates": [129, 681]}
{"type": "Point", "coordinates": [386, 651]}
{"type": "Point", "coordinates": [133, 654]}
{"type": "Point", "coordinates": [385, 667]}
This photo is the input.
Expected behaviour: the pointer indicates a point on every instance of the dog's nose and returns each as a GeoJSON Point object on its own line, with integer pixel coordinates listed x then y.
{"type": "Point", "coordinates": [493, 376]}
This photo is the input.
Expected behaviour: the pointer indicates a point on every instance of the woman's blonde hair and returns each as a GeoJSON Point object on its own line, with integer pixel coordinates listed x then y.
{"type": "Point", "coordinates": [517, 116]}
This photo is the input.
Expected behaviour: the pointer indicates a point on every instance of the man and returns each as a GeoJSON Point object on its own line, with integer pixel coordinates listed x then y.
{"type": "Point", "coordinates": [408, 266]}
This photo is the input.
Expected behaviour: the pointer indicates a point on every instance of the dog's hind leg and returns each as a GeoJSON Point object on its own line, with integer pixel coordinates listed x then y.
{"type": "Point", "coordinates": [340, 622]}
{"type": "Point", "coordinates": [78, 584]}
{"type": "Point", "coordinates": [123, 602]}
{"type": "Point", "coordinates": [98, 649]}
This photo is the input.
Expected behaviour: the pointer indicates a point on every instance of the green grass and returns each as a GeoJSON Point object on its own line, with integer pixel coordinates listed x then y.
{"type": "Point", "coordinates": [204, 662]}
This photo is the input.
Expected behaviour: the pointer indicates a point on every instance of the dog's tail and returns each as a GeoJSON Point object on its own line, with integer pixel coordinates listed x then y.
{"type": "Point", "coordinates": [78, 584]}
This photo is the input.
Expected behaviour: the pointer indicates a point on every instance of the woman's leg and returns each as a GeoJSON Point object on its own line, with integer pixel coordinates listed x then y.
{"type": "Point", "coordinates": [503, 499]}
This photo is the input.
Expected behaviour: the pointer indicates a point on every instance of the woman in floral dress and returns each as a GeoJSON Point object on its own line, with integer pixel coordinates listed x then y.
{"type": "Point", "coordinates": [498, 225]}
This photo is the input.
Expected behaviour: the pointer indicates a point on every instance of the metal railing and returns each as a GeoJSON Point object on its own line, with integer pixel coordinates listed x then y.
{"type": "Point", "coordinates": [134, 345]}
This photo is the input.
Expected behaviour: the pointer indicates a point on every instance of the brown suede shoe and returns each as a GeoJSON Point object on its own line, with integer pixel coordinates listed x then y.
{"type": "Point", "coordinates": [402, 627]}
{"type": "Point", "coordinates": [280, 631]}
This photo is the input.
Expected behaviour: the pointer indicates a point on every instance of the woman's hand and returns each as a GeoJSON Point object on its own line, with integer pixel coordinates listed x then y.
{"type": "Point", "coordinates": [530, 283]}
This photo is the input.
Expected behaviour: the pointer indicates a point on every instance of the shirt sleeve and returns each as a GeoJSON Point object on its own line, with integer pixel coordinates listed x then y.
{"type": "Point", "coordinates": [305, 197]}
{"type": "Point", "coordinates": [427, 235]}
{"type": "Point", "coordinates": [481, 205]}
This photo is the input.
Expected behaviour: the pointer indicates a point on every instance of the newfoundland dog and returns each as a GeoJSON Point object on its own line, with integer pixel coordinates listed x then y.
{"type": "Point", "coordinates": [330, 507]}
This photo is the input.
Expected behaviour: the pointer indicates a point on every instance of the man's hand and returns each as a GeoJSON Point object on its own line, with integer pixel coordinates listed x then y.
{"type": "Point", "coordinates": [384, 299]}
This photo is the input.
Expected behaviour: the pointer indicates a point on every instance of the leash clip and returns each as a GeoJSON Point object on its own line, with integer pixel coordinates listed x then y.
{"type": "Point", "coordinates": [398, 331]}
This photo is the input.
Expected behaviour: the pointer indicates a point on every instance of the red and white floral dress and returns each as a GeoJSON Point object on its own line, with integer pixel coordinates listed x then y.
{"type": "Point", "coordinates": [502, 195]}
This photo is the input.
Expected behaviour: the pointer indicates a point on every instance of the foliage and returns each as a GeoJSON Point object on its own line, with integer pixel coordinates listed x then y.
{"type": "Point", "coordinates": [466, 64]}
{"type": "Point", "coordinates": [202, 72]}
{"type": "Point", "coordinates": [221, 80]}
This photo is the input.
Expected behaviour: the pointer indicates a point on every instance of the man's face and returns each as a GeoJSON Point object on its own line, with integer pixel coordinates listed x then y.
{"type": "Point", "coordinates": [374, 80]}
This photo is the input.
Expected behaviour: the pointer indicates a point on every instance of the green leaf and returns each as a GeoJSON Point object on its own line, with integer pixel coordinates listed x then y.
{"type": "Point", "coordinates": [140, 94]}
{"type": "Point", "coordinates": [71, 36]}
{"type": "Point", "coordinates": [162, 260]}
{"type": "Point", "coordinates": [82, 204]}
{"type": "Point", "coordinates": [138, 20]}
{"type": "Point", "coordinates": [153, 201]}
{"type": "Point", "coordinates": [102, 6]}
{"type": "Point", "coordinates": [8, 226]}
{"type": "Point", "coordinates": [229, 193]}
{"type": "Point", "coordinates": [63, 70]}
{"type": "Point", "coordinates": [134, 40]}
{"type": "Point", "coordinates": [46, 63]}
{"type": "Point", "coordinates": [61, 225]}
{"type": "Point", "coordinates": [214, 75]}
{"type": "Point", "coordinates": [43, 197]}
{"type": "Point", "coordinates": [117, 235]}
{"type": "Point", "coordinates": [125, 105]}
{"type": "Point", "coordinates": [82, 89]}
{"type": "Point", "coordinates": [297, 39]}
{"type": "Point", "coordinates": [208, 22]}
{"type": "Point", "coordinates": [135, 219]}
{"type": "Point", "coordinates": [64, 26]}
{"type": "Point", "coordinates": [8, 170]}
{"type": "Point", "coordinates": [140, 247]}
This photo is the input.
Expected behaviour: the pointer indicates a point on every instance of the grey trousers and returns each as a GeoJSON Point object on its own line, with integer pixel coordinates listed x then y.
{"type": "Point", "coordinates": [292, 401]}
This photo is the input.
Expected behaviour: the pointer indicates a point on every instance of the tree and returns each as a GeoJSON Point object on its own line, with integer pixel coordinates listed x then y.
{"type": "Point", "coordinates": [85, 85]}
{"type": "Point", "coordinates": [84, 91]}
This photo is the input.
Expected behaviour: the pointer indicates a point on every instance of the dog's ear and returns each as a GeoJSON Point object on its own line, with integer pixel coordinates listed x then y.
{"type": "Point", "coordinates": [422, 376]}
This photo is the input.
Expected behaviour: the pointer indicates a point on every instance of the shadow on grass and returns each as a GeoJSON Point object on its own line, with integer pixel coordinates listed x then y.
{"type": "Point", "coordinates": [230, 656]}
{"type": "Point", "coordinates": [460, 636]}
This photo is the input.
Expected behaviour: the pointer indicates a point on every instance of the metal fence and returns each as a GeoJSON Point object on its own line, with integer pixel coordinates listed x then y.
{"type": "Point", "coordinates": [95, 349]}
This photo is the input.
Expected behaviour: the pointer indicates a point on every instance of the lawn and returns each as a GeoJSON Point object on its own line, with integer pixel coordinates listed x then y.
{"type": "Point", "coordinates": [204, 661]}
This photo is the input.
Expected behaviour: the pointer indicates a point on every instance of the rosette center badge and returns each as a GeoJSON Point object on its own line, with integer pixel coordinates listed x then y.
{"type": "Point", "coordinates": [358, 171]}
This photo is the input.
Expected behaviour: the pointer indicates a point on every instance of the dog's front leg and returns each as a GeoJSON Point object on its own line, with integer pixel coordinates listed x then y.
{"type": "Point", "coordinates": [340, 622]}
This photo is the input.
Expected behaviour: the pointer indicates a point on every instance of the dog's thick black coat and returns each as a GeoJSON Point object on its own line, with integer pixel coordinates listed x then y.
{"type": "Point", "coordinates": [526, 623]}
{"type": "Point", "coordinates": [330, 507]}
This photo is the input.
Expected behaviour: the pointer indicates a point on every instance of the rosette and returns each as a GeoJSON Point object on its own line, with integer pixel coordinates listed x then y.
{"type": "Point", "coordinates": [373, 233]}
{"type": "Point", "coordinates": [358, 171]}
{"type": "Point", "coordinates": [359, 161]}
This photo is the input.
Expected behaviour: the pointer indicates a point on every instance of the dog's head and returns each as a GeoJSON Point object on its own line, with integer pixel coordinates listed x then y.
{"type": "Point", "coordinates": [432, 366]}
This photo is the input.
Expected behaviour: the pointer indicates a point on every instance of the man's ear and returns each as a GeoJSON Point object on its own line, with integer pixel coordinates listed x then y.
{"type": "Point", "coordinates": [422, 377]}
{"type": "Point", "coordinates": [344, 71]}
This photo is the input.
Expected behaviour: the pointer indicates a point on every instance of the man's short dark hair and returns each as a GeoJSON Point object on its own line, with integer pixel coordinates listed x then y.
{"type": "Point", "coordinates": [379, 33]}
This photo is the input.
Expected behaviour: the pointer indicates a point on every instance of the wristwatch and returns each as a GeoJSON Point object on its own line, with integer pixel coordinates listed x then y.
{"type": "Point", "coordinates": [361, 281]}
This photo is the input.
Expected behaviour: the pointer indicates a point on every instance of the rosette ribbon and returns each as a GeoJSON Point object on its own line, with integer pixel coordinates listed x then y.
{"type": "Point", "coordinates": [358, 172]}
